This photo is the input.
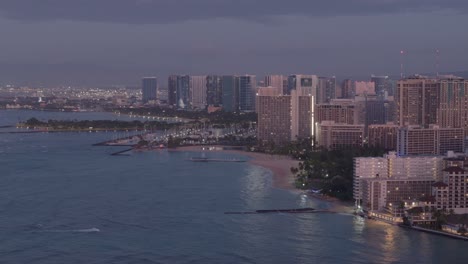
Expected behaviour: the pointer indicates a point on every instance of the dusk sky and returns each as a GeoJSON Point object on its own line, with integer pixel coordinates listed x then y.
{"type": "Point", "coordinates": [111, 42]}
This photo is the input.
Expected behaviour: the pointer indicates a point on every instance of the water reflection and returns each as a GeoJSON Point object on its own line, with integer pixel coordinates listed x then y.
{"type": "Point", "coordinates": [255, 186]}
{"type": "Point", "coordinates": [389, 246]}
{"type": "Point", "coordinates": [359, 224]}
{"type": "Point", "coordinates": [303, 200]}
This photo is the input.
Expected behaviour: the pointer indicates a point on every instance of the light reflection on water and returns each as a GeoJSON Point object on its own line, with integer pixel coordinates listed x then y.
{"type": "Point", "coordinates": [159, 207]}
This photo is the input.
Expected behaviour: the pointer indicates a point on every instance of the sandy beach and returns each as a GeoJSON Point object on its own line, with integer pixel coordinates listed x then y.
{"type": "Point", "coordinates": [280, 166]}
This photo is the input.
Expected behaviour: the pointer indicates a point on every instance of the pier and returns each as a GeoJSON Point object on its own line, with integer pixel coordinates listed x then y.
{"type": "Point", "coordinates": [307, 210]}
{"type": "Point", "coordinates": [121, 153]}
{"type": "Point", "coordinates": [116, 142]}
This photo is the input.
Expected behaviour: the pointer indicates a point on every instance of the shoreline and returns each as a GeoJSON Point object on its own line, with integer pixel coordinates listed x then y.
{"type": "Point", "coordinates": [280, 166]}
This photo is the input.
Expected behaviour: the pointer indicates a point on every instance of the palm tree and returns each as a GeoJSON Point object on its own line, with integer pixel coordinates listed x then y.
{"type": "Point", "coordinates": [441, 217]}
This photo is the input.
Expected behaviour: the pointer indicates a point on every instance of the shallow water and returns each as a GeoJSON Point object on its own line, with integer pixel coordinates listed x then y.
{"type": "Point", "coordinates": [64, 201]}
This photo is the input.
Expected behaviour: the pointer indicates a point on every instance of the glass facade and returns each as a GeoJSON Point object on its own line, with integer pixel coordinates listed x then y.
{"type": "Point", "coordinates": [149, 89]}
{"type": "Point", "coordinates": [214, 90]}
{"type": "Point", "coordinates": [247, 92]}
{"type": "Point", "coordinates": [183, 92]}
{"type": "Point", "coordinates": [230, 93]}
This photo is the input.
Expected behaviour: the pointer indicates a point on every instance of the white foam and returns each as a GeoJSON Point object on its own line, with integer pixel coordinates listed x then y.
{"type": "Point", "coordinates": [87, 230]}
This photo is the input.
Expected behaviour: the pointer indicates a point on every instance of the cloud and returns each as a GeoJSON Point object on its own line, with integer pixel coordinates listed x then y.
{"type": "Point", "coordinates": [174, 11]}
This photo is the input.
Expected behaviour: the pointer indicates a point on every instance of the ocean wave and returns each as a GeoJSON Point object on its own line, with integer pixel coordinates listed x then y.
{"type": "Point", "coordinates": [86, 230]}
{"type": "Point", "coordinates": [124, 224]}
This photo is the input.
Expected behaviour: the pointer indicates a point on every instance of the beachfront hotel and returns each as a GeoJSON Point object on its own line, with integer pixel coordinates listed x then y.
{"type": "Point", "coordinates": [383, 198]}
{"type": "Point", "coordinates": [274, 119]}
{"type": "Point", "coordinates": [391, 170]}
{"type": "Point", "coordinates": [333, 135]}
{"type": "Point", "coordinates": [284, 118]}
{"type": "Point", "coordinates": [385, 187]}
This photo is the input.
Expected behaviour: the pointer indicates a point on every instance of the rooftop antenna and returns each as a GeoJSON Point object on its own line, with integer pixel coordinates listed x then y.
{"type": "Point", "coordinates": [437, 61]}
{"type": "Point", "coordinates": [402, 54]}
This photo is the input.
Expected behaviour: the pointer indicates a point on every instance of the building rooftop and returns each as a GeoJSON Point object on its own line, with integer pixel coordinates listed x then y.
{"type": "Point", "coordinates": [454, 170]}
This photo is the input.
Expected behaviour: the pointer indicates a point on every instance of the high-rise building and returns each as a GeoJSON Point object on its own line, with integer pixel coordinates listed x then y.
{"type": "Point", "coordinates": [382, 198]}
{"type": "Point", "coordinates": [451, 193]}
{"type": "Point", "coordinates": [270, 91]}
{"type": "Point", "coordinates": [382, 86]}
{"type": "Point", "coordinates": [416, 140]}
{"type": "Point", "coordinates": [383, 136]}
{"type": "Point", "coordinates": [247, 93]}
{"type": "Point", "coordinates": [214, 90]}
{"type": "Point", "coordinates": [183, 92]}
{"type": "Point", "coordinates": [198, 84]}
{"type": "Point", "coordinates": [326, 89]}
{"type": "Point", "coordinates": [453, 103]}
{"type": "Point", "coordinates": [295, 112]}
{"type": "Point", "coordinates": [371, 110]}
{"type": "Point", "coordinates": [363, 88]}
{"type": "Point", "coordinates": [274, 119]}
{"type": "Point", "coordinates": [276, 81]}
{"type": "Point", "coordinates": [347, 89]}
{"type": "Point", "coordinates": [339, 136]}
{"type": "Point", "coordinates": [172, 90]}
{"type": "Point", "coordinates": [302, 116]}
{"type": "Point", "coordinates": [402, 171]}
{"type": "Point", "coordinates": [392, 87]}
{"type": "Point", "coordinates": [303, 84]}
{"type": "Point", "coordinates": [417, 100]}
{"type": "Point", "coordinates": [379, 111]}
{"type": "Point", "coordinates": [149, 89]}
{"type": "Point", "coordinates": [336, 111]}
{"type": "Point", "coordinates": [230, 90]}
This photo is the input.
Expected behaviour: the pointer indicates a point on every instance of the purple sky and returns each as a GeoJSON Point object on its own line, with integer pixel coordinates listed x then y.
{"type": "Point", "coordinates": [107, 42]}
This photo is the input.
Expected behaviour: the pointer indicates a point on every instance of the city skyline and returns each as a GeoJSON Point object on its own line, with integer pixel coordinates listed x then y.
{"type": "Point", "coordinates": [118, 42]}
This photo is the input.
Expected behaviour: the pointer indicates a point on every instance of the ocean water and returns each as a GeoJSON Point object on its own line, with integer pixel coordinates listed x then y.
{"type": "Point", "coordinates": [65, 201]}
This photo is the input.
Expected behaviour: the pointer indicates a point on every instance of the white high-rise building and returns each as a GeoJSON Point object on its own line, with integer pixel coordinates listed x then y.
{"type": "Point", "coordinates": [394, 167]}
{"type": "Point", "coordinates": [198, 84]}
{"type": "Point", "coordinates": [368, 168]}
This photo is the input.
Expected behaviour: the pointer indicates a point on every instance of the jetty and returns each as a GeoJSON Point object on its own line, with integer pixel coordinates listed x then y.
{"type": "Point", "coordinates": [120, 141]}
{"type": "Point", "coordinates": [121, 153]}
{"type": "Point", "coordinates": [24, 132]}
{"type": "Point", "coordinates": [306, 210]}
